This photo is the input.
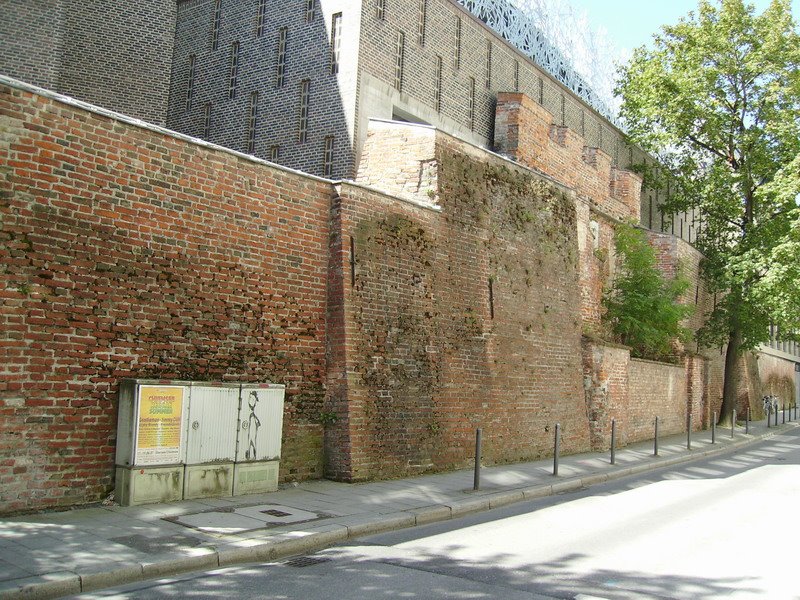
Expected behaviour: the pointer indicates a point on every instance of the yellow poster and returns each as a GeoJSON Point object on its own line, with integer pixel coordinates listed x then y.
{"type": "Point", "coordinates": [159, 425]}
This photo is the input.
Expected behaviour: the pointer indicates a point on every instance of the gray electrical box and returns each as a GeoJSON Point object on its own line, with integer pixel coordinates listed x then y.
{"type": "Point", "coordinates": [181, 439]}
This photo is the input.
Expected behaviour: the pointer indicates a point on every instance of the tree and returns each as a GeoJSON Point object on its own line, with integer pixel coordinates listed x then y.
{"type": "Point", "coordinates": [642, 307]}
{"type": "Point", "coordinates": [717, 100]}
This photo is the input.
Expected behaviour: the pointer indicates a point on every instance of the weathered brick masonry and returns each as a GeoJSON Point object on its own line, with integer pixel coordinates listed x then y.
{"type": "Point", "coordinates": [128, 252]}
{"type": "Point", "coordinates": [458, 310]}
{"type": "Point", "coordinates": [436, 294]}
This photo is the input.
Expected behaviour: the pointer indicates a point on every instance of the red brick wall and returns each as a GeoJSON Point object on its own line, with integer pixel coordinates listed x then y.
{"type": "Point", "coordinates": [526, 131]}
{"type": "Point", "coordinates": [131, 253]}
{"type": "Point", "coordinates": [605, 382]}
{"type": "Point", "coordinates": [455, 316]}
{"type": "Point", "coordinates": [633, 392]}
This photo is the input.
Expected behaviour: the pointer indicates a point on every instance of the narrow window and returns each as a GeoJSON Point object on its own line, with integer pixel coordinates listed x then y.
{"type": "Point", "coordinates": [491, 298]}
{"type": "Point", "coordinates": [215, 24]}
{"type": "Point", "coordinates": [516, 75]}
{"type": "Point", "coordinates": [302, 124]}
{"type": "Point", "coordinates": [352, 261]}
{"type": "Point", "coordinates": [311, 10]}
{"type": "Point", "coordinates": [488, 66]}
{"type": "Point", "coordinates": [457, 45]}
{"type": "Point", "coordinates": [262, 9]}
{"type": "Point", "coordinates": [471, 105]}
{"type": "Point", "coordinates": [274, 152]}
{"type": "Point", "coordinates": [190, 82]}
{"type": "Point", "coordinates": [252, 118]}
{"type": "Point", "coordinates": [207, 120]}
{"type": "Point", "coordinates": [380, 9]}
{"type": "Point", "coordinates": [327, 157]}
{"type": "Point", "coordinates": [336, 41]}
{"type": "Point", "coordinates": [437, 88]}
{"type": "Point", "coordinates": [399, 49]}
{"type": "Point", "coordinates": [281, 72]}
{"type": "Point", "coordinates": [421, 19]}
{"type": "Point", "coordinates": [234, 74]}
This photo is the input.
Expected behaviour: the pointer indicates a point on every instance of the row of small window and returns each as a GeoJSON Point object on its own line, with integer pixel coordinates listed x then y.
{"type": "Point", "coordinates": [261, 14]}
{"type": "Point", "coordinates": [400, 42]}
{"type": "Point", "coordinates": [281, 50]}
{"type": "Point", "coordinates": [280, 73]}
{"type": "Point", "coordinates": [252, 123]}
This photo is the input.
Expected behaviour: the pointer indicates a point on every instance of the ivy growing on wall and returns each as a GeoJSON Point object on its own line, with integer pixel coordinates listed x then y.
{"type": "Point", "coordinates": [642, 306]}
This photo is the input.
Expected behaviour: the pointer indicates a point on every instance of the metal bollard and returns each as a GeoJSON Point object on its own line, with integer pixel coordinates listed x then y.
{"type": "Point", "coordinates": [556, 449]}
{"type": "Point", "coordinates": [714, 428]}
{"type": "Point", "coordinates": [689, 432]}
{"type": "Point", "coordinates": [747, 422]}
{"type": "Point", "coordinates": [733, 423]}
{"type": "Point", "coordinates": [613, 440]}
{"type": "Point", "coordinates": [476, 484]}
{"type": "Point", "coordinates": [784, 414]}
{"type": "Point", "coordinates": [769, 416]}
{"type": "Point", "coordinates": [655, 440]}
{"type": "Point", "coordinates": [776, 416]}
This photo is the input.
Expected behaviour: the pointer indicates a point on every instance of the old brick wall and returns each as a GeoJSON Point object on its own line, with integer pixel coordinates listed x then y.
{"type": "Point", "coordinates": [129, 252]}
{"type": "Point", "coordinates": [605, 383]}
{"type": "Point", "coordinates": [457, 313]}
{"type": "Point", "coordinates": [656, 389]}
{"type": "Point", "coordinates": [634, 392]}
{"type": "Point", "coordinates": [527, 132]}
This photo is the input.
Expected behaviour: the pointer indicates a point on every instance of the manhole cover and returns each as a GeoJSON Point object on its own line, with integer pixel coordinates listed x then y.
{"type": "Point", "coordinates": [276, 513]}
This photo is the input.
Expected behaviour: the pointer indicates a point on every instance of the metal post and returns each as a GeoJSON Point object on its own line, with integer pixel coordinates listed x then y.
{"type": "Point", "coordinates": [476, 485]}
{"type": "Point", "coordinates": [733, 423]}
{"type": "Point", "coordinates": [747, 422]}
{"type": "Point", "coordinates": [613, 440]}
{"type": "Point", "coordinates": [784, 413]}
{"type": "Point", "coordinates": [655, 440]}
{"type": "Point", "coordinates": [776, 416]}
{"type": "Point", "coordinates": [556, 449]}
{"type": "Point", "coordinates": [689, 432]}
{"type": "Point", "coordinates": [769, 416]}
{"type": "Point", "coordinates": [714, 429]}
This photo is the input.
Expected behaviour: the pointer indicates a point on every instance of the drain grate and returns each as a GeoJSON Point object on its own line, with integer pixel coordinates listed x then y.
{"type": "Point", "coordinates": [273, 512]}
{"type": "Point", "coordinates": [306, 561]}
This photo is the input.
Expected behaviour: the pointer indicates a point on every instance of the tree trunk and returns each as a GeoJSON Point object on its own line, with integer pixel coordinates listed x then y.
{"type": "Point", "coordinates": [730, 385]}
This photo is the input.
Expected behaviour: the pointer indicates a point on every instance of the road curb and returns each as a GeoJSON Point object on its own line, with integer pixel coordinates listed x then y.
{"type": "Point", "coordinates": [56, 585]}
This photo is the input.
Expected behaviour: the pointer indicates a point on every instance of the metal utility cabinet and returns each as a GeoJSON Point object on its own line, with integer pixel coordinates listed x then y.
{"type": "Point", "coordinates": [183, 439]}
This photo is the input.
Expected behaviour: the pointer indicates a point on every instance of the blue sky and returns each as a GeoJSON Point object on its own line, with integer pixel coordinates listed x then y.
{"type": "Point", "coordinates": [631, 23]}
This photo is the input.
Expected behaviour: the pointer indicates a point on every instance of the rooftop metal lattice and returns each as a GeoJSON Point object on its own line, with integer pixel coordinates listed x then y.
{"type": "Point", "coordinates": [519, 29]}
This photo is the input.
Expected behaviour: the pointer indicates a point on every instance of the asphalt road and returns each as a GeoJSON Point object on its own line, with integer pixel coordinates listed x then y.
{"type": "Point", "coordinates": [721, 528]}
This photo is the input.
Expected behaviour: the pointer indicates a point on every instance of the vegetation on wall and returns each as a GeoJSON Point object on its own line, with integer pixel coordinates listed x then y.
{"type": "Point", "coordinates": [642, 306]}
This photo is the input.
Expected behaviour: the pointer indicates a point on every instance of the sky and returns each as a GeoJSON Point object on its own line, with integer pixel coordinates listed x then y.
{"type": "Point", "coordinates": [631, 23]}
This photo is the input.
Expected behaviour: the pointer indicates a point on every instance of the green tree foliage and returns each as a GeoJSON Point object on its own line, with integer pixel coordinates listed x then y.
{"type": "Point", "coordinates": [717, 99]}
{"type": "Point", "coordinates": [642, 307]}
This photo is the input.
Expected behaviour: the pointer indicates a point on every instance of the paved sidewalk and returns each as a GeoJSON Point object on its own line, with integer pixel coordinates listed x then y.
{"type": "Point", "coordinates": [61, 553]}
